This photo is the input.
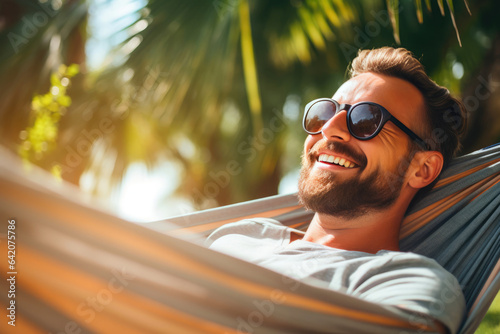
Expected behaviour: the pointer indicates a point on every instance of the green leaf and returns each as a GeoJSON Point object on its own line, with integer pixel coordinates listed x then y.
{"type": "Point", "coordinates": [393, 8]}
{"type": "Point", "coordinates": [56, 170]}
{"type": "Point", "coordinates": [330, 13]}
{"type": "Point", "coordinates": [450, 6]}
{"type": "Point", "coordinates": [441, 6]}
{"type": "Point", "coordinates": [54, 107]}
{"type": "Point", "coordinates": [249, 68]}
{"type": "Point", "coordinates": [36, 103]}
{"type": "Point", "coordinates": [46, 100]}
{"type": "Point", "coordinates": [467, 6]}
{"type": "Point", "coordinates": [64, 100]}
{"type": "Point", "coordinates": [54, 80]}
{"type": "Point", "coordinates": [419, 11]}
{"type": "Point", "coordinates": [72, 70]}
{"type": "Point", "coordinates": [48, 109]}
{"type": "Point", "coordinates": [428, 5]}
{"type": "Point", "coordinates": [311, 28]}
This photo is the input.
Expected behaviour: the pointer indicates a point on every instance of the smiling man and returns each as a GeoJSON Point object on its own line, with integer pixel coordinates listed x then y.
{"type": "Point", "coordinates": [341, 172]}
{"type": "Point", "coordinates": [385, 135]}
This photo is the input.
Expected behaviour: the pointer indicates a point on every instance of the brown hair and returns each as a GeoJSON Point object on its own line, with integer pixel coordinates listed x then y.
{"type": "Point", "coordinates": [446, 120]}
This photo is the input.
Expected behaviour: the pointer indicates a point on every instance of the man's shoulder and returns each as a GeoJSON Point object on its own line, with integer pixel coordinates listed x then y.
{"type": "Point", "coordinates": [407, 259]}
{"type": "Point", "coordinates": [390, 264]}
{"type": "Point", "coordinates": [420, 263]}
{"type": "Point", "coordinates": [256, 228]}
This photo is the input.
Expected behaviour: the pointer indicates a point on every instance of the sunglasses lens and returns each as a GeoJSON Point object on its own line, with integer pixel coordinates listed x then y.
{"type": "Point", "coordinates": [318, 114]}
{"type": "Point", "coordinates": [364, 120]}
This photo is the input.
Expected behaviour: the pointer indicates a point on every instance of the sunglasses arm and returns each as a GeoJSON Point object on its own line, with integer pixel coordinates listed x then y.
{"type": "Point", "coordinates": [411, 134]}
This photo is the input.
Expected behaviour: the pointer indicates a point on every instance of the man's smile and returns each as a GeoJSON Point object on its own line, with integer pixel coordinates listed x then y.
{"type": "Point", "coordinates": [335, 156]}
{"type": "Point", "coordinates": [335, 160]}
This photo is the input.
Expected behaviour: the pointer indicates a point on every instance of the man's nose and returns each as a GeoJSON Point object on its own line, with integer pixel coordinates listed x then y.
{"type": "Point", "coordinates": [336, 127]}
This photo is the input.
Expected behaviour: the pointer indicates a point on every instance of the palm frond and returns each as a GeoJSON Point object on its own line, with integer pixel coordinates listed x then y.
{"type": "Point", "coordinates": [393, 9]}
{"type": "Point", "coordinates": [249, 68]}
{"type": "Point", "coordinates": [420, 15]}
{"type": "Point", "coordinates": [307, 29]}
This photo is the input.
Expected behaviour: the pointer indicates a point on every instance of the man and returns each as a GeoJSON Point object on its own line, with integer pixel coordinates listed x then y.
{"type": "Point", "coordinates": [386, 134]}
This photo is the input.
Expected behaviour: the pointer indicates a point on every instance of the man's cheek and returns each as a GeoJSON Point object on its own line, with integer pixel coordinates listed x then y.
{"type": "Point", "coordinates": [309, 143]}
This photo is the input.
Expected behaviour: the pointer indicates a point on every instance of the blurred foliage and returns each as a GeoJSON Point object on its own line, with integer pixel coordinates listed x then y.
{"type": "Point", "coordinates": [491, 322]}
{"type": "Point", "coordinates": [36, 39]}
{"type": "Point", "coordinates": [394, 8]}
{"type": "Point", "coordinates": [180, 84]}
{"type": "Point", "coordinates": [47, 110]}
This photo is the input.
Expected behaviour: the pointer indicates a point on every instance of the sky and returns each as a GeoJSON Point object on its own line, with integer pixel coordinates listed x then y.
{"type": "Point", "coordinates": [107, 20]}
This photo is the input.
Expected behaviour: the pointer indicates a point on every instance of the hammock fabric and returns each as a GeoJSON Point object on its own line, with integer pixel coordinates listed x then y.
{"type": "Point", "coordinates": [79, 268]}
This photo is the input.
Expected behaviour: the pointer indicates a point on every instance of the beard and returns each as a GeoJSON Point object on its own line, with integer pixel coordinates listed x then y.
{"type": "Point", "coordinates": [328, 193]}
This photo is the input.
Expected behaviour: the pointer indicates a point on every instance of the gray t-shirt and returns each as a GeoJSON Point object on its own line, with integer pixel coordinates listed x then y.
{"type": "Point", "coordinates": [409, 281]}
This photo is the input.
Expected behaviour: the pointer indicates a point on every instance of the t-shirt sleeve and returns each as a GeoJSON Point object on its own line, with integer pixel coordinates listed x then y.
{"type": "Point", "coordinates": [415, 285]}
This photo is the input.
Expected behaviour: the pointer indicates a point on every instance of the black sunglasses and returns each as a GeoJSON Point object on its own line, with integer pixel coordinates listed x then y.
{"type": "Point", "coordinates": [364, 119]}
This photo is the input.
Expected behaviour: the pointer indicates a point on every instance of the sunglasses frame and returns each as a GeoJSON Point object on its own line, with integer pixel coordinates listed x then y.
{"type": "Point", "coordinates": [386, 116]}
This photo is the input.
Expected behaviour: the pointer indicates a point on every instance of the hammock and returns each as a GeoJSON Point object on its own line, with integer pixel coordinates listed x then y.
{"type": "Point", "coordinates": [79, 268]}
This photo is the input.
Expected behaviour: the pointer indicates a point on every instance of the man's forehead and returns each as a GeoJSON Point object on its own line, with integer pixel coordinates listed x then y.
{"type": "Point", "coordinates": [393, 93]}
{"type": "Point", "coordinates": [353, 89]}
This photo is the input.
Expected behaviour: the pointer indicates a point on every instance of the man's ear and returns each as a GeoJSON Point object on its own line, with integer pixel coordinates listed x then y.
{"type": "Point", "coordinates": [425, 168]}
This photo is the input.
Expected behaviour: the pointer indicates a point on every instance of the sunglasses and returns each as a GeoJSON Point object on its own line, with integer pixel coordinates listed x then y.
{"type": "Point", "coordinates": [364, 119]}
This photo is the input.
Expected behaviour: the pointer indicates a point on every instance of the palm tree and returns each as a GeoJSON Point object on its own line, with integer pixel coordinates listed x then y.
{"type": "Point", "coordinates": [217, 86]}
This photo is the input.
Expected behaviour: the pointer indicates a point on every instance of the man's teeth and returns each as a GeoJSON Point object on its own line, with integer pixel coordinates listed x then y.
{"type": "Point", "coordinates": [336, 160]}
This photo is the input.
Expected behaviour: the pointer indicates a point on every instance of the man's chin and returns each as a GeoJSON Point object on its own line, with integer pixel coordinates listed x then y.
{"type": "Point", "coordinates": [330, 194]}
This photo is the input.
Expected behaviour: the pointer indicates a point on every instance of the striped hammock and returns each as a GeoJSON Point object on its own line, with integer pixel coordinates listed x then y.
{"type": "Point", "coordinates": [78, 268]}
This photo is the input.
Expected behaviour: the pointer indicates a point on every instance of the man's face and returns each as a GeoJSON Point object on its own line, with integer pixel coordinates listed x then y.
{"type": "Point", "coordinates": [375, 181]}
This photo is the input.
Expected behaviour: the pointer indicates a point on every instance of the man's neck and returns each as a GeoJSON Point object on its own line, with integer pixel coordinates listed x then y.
{"type": "Point", "coordinates": [370, 234]}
